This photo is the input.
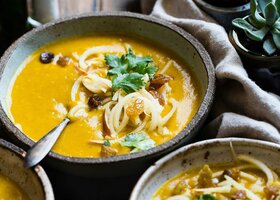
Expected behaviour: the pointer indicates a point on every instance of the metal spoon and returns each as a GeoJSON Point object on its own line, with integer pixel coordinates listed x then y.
{"type": "Point", "coordinates": [41, 148]}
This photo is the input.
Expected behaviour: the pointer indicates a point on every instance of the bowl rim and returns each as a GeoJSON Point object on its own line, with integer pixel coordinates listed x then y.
{"type": "Point", "coordinates": [145, 177]}
{"type": "Point", "coordinates": [37, 170]}
{"type": "Point", "coordinates": [199, 116]}
{"type": "Point", "coordinates": [225, 10]}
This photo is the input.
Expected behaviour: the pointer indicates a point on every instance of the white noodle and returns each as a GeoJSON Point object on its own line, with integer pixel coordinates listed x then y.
{"type": "Point", "coordinates": [76, 56]}
{"type": "Point", "coordinates": [223, 189]}
{"type": "Point", "coordinates": [75, 88]}
{"type": "Point", "coordinates": [260, 165]}
{"type": "Point", "coordinates": [73, 112]}
{"type": "Point", "coordinates": [166, 67]}
{"type": "Point", "coordinates": [123, 122]}
{"type": "Point", "coordinates": [248, 176]}
{"type": "Point", "coordinates": [171, 112]}
{"type": "Point", "coordinates": [96, 84]}
{"type": "Point", "coordinates": [238, 186]}
{"type": "Point", "coordinates": [178, 197]}
{"type": "Point", "coordinates": [99, 50]}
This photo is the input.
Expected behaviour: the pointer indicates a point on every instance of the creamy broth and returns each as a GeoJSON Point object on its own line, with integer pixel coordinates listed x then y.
{"type": "Point", "coordinates": [42, 95]}
{"type": "Point", "coordinates": [247, 178]}
{"type": "Point", "coordinates": [9, 190]}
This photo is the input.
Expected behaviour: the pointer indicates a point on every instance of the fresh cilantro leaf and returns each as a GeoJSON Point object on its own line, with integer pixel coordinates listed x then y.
{"type": "Point", "coordinates": [138, 141]}
{"type": "Point", "coordinates": [206, 197]}
{"type": "Point", "coordinates": [127, 71]}
{"type": "Point", "coordinates": [107, 143]}
{"type": "Point", "coordinates": [150, 70]}
{"type": "Point", "coordinates": [128, 82]}
{"type": "Point", "coordinates": [134, 60]}
{"type": "Point", "coordinates": [118, 64]}
{"type": "Point", "coordinates": [114, 61]}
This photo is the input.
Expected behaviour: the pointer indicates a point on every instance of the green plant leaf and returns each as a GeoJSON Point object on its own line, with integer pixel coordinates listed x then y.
{"type": "Point", "coordinates": [138, 141]}
{"type": "Point", "coordinates": [271, 14]}
{"type": "Point", "coordinates": [269, 46]}
{"type": "Point", "coordinates": [128, 82]}
{"type": "Point", "coordinates": [251, 32]}
{"type": "Point", "coordinates": [276, 37]}
{"type": "Point", "coordinates": [277, 24]}
{"type": "Point", "coordinates": [257, 35]}
{"type": "Point", "coordinates": [277, 4]}
{"type": "Point", "coordinates": [134, 60]}
{"type": "Point", "coordinates": [206, 197]}
{"type": "Point", "coordinates": [256, 18]}
{"type": "Point", "coordinates": [262, 4]}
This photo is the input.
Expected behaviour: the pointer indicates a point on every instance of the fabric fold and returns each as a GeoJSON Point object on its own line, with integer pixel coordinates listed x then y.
{"type": "Point", "coordinates": [241, 108]}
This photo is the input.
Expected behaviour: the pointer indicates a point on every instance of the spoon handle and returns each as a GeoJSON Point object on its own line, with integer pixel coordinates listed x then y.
{"type": "Point", "coordinates": [41, 148]}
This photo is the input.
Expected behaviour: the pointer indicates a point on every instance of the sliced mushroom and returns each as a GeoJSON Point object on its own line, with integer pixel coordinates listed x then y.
{"type": "Point", "coordinates": [107, 151]}
{"type": "Point", "coordinates": [63, 61]}
{"type": "Point", "coordinates": [158, 81]}
{"type": "Point", "coordinates": [94, 101]}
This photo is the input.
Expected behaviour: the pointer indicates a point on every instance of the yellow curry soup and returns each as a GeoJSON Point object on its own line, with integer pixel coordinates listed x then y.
{"type": "Point", "coordinates": [122, 95]}
{"type": "Point", "coordinates": [9, 190]}
{"type": "Point", "coordinates": [247, 178]}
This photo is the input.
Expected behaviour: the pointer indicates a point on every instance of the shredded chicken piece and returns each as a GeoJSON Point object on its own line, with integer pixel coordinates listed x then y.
{"type": "Point", "coordinates": [107, 151]}
{"type": "Point", "coordinates": [205, 177]}
{"type": "Point", "coordinates": [271, 192]}
{"type": "Point", "coordinates": [239, 195]}
{"type": "Point", "coordinates": [233, 173]}
{"type": "Point", "coordinates": [180, 188]}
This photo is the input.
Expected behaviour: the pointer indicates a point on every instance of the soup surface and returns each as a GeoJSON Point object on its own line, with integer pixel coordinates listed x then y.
{"type": "Point", "coordinates": [9, 190]}
{"type": "Point", "coordinates": [122, 95]}
{"type": "Point", "coordinates": [247, 178]}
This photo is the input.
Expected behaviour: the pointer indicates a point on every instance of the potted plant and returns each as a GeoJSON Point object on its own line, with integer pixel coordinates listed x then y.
{"type": "Point", "coordinates": [256, 38]}
{"type": "Point", "coordinates": [224, 11]}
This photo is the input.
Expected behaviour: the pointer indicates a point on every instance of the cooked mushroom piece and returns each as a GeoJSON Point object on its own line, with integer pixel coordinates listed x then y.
{"type": "Point", "coordinates": [158, 81]}
{"type": "Point", "coordinates": [94, 101]}
{"type": "Point", "coordinates": [107, 151]}
{"type": "Point", "coordinates": [63, 61]}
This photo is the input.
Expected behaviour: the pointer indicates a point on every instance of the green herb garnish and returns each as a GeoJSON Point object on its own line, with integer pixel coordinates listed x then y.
{"type": "Point", "coordinates": [206, 197]}
{"type": "Point", "coordinates": [128, 71]}
{"type": "Point", "coordinates": [107, 143]}
{"type": "Point", "coordinates": [138, 141]}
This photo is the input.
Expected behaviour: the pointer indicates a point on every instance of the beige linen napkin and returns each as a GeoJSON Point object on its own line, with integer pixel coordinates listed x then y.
{"type": "Point", "coordinates": [241, 108]}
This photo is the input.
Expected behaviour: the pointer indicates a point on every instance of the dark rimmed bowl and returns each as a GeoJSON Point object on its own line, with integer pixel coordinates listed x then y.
{"type": "Point", "coordinates": [264, 70]}
{"type": "Point", "coordinates": [162, 32]}
{"type": "Point", "coordinates": [213, 151]}
{"type": "Point", "coordinates": [34, 182]}
{"type": "Point", "coordinates": [224, 15]}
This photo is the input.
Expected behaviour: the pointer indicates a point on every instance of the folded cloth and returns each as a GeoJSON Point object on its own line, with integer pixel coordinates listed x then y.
{"type": "Point", "coordinates": [241, 108]}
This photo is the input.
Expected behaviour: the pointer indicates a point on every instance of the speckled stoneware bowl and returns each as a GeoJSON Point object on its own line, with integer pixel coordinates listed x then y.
{"type": "Point", "coordinates": [200, 153]}
{"type": "Point", "coordinates": [224, 15]}
{"type": "Point", "coordinates": [34, 181]}
{"type": "Point", "coordinates": [162, 32]}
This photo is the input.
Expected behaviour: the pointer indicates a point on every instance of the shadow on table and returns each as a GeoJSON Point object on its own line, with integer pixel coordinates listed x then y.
{"type": "Point", "coordinates": [68, 187]}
